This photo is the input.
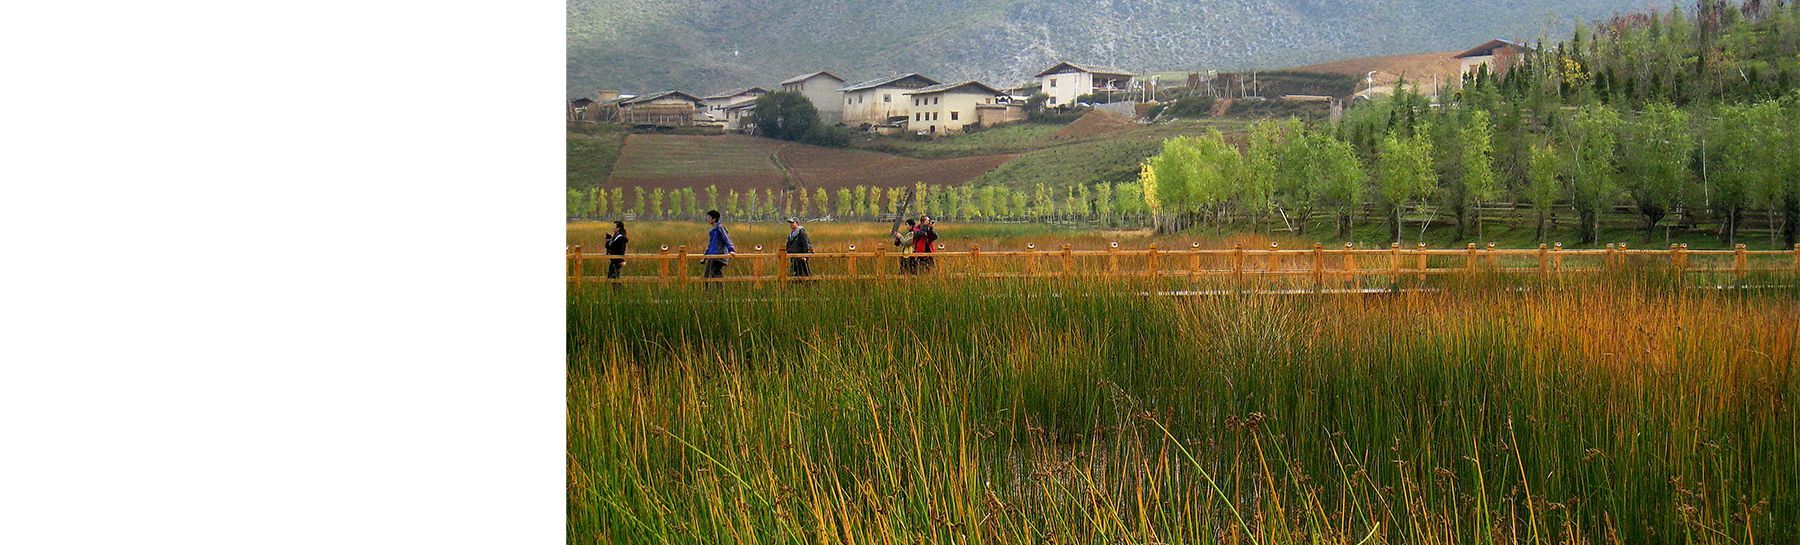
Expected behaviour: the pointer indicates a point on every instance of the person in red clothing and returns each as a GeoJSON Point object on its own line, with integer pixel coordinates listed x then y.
{"type": "Point", "coordinates": [923, 237]}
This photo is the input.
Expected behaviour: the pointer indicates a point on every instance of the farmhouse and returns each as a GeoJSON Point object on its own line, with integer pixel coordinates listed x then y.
{"type": "Point", "coordinates": [949, 107]}
{"type": "Point", "coordinates": [881, 101]}
{"type": "Point", "coordinates": [1498, 55]}
{"type": "Point", "coordinates": [737, 116]}
{"type": "Point", "coordinates": [1066, 80]}
{"type": "Point", "coordinates": [822, 89]}
{"type": "Point", "coordinates": [668, 108]}
{"type": "Point", "coordinates": [716, 104]}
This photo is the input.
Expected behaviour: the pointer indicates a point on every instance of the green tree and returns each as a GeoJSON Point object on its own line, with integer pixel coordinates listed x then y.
{"type": "Point", "coordinates": [1592, 180]}
{"type": "Point", "coordinates": [822, 198]}
{"type": "Point", "coordinates": [1741, 140]}
{"type": "Point", "coordinates": [1103, 202]}
{"type": "Point", "coordinates": [638, 201]}
{"type": "Point", "coordinates": [1403, 175]}
{"type": "Point", "coordinates": [845, 203]}
{"type": "Point", "coordinates": [656, 203]}
{"type": "Point", "coordinates": [618, 200]}
{"type": "Point", "coordinates": [577, 203]}
{"type": "Point", "coordinates": [784, 115]}
{"type": "Point", "coordinates": [1543, 172]}
{"type": "Point", "coordinates": [1476, 164]}
{"type": "Point", "coordinates": [1653, 159]}
{"type": "Point", "coordinates": [1340, 177]}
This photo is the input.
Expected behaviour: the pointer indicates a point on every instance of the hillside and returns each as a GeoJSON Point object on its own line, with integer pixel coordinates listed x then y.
{"type": "Point", "coordinates": [643, 45]}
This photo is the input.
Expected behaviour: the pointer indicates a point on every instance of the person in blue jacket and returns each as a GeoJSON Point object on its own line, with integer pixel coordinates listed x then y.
{"type": "Point", "coordinates": [718, 242]}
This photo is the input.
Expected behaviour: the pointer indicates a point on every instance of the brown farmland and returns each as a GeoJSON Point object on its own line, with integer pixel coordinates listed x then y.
{"type": "Point", "coordinates": [745, 162]}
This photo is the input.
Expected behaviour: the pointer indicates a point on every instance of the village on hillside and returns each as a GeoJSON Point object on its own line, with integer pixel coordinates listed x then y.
{"type": "Point", "coordinates": [917, 104]}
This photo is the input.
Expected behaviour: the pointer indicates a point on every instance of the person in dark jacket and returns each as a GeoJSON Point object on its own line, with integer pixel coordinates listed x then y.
{"type": "Point", "coordinates": [798, 243]}
{"type": "Point", "coordinates": [922, 245]}
{"type": "Point", "coordinates": [718, 243]}
{"type": "Point", "coordinates": [615, 245]}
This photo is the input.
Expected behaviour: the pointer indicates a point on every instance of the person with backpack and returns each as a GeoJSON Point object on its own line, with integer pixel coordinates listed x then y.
{"type": "Point", "coordinates": [718, 243]}
{"type": "Point", "coordinates": [904, 239]}
{"type": "Point", "coordinates": [615, 245]}
{"type": "Point", "coordinates": [798, 243]}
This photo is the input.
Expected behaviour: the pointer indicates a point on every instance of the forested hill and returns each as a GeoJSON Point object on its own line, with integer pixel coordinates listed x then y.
{"type": "Point", "coordinates": [705, 46]}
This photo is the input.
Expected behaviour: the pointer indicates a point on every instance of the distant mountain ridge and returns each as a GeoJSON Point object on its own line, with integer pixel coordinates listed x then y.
{"type": "Point", "coordinates": [702, 47]}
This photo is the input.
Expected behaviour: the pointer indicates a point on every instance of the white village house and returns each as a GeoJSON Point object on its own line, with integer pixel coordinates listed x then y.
{"type": "Point", "coordinates": [1066, 80]}
{"type": "Point", "coordinates": [881, 101]}
{"type": "Point", "coordinates": [1497, 55]}
{"type": "Point", "coordinates": [715, 105]}
{"type": "Point", "coordinates": [949, 107]}
{"type": "Point", "coordinates": [822, 89]}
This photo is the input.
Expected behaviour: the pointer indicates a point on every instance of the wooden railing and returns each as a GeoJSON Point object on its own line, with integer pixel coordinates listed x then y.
{"type": "Point", "coordinates": [1319, 265]}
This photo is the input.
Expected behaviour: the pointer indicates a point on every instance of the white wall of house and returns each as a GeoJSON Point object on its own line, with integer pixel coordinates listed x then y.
{"type": "Point", "coordinates": [946, 112]}
{"type": "Point", "coordinates": [822, 91]}
{"type": "Point", "coordinates": [1064, 87]}
{"type": "Point", "coordinates": [875, 105]}
{"type": "Point", "coordinates": [1471, 64]}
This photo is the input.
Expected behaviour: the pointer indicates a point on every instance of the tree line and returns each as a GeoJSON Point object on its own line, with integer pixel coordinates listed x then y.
{"type": "Point", "coordinates": [1654, 113]}
{"type": "Point", "coordinates": [1112, 204]}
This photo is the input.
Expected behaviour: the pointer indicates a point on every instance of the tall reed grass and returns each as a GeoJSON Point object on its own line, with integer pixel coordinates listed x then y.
{"type": "Point", "coordinates": [1611, 410]}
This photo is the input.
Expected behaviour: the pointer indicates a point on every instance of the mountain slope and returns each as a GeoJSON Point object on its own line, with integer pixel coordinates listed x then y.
{"type": "Point", "coordinates": [701, 46]}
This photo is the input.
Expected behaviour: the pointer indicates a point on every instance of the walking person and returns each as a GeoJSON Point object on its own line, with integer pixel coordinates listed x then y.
{"type": "Point", "coordinates": [922, 245]}
{"type": "Point", "coordinates": [718, 243]}
{"type": "Point", "coordinates": [904, 239]}
{"type": "Point", "coordinates": [798, 243]}
{"type": "Point", "coordinates": [615, 245]}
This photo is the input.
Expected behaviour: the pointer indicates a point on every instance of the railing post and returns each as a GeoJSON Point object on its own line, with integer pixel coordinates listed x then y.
{"type": "Point", "coordinates": [1237, 261]}
{"type": "Point", "coordinates": [1350, 264]}
{"type": "Point", "coordinates": [1193, 260]}
{"type": "Point", "coordinates": [975, 257]}
{"type": "Point", "coordinates": [681, 263]}
{"type": "Point", "coordinates": [1624, 256]}
{"type": "Point", "coordinates": [1318, 265]}
{"type": "Point", "coordinates": [1469, 262]}
{"type": "Point", "coordinates": [1153, 272]}
{"type": "Point", "coordinates": [1030, 259]}
{"type": "Point", "coordinates": [1424, 261]}
{"type": "Point", "coordinates": [1612, 252]}
{"type": "Point", "coordinates": [662, 265]}
{"type": "Point", "coordinates": [1112, 258]}
{"type": "Point", "coordinates": [850, 258]}
{"type": "Point", "coordinates": [1675, 259]}
{"type": "Point", "coordinates": [1556, 257]}
{"type": "Point", "coordinates": [1274, 259]}
{"type": "Point", "coordinates": [577, 266]}
{"type": "Point", "coordinates": [1543, 260]}
{"type": "Point", "coordinates": [756, 265]}
{"type": "Point", "coordinates": [1394, 263]}
{"type": "Point", "coordinates": [1739, 262]}
{"type": "Point", "coordinates": [1493, 260]}
{"type": "Point", "coordinates": [1068, 255]}
{"type": "Point", "coordinates": [781, 265]}
{"type": "Point", "coordinates": [881, 269]}
{"type": "Point", "coordinates": [1684, 258]}
{"type": "Point", "coordinates": [1796, 257]}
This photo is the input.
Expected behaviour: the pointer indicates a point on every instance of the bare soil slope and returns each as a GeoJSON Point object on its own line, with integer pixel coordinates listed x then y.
{"type": "Point", "coordinates": [1416, 67]}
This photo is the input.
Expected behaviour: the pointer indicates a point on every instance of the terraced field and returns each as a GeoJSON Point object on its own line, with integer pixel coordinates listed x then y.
{"type": "Point", "coordinates": [744, 162]}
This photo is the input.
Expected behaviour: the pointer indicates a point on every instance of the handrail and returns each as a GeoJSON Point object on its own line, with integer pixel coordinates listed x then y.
{"type": "Point", "coordinates": [1346, 264]}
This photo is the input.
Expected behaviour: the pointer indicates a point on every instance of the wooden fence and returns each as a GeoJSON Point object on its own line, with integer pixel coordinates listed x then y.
{"type": "Point", "coordinates": [1318, 265]}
